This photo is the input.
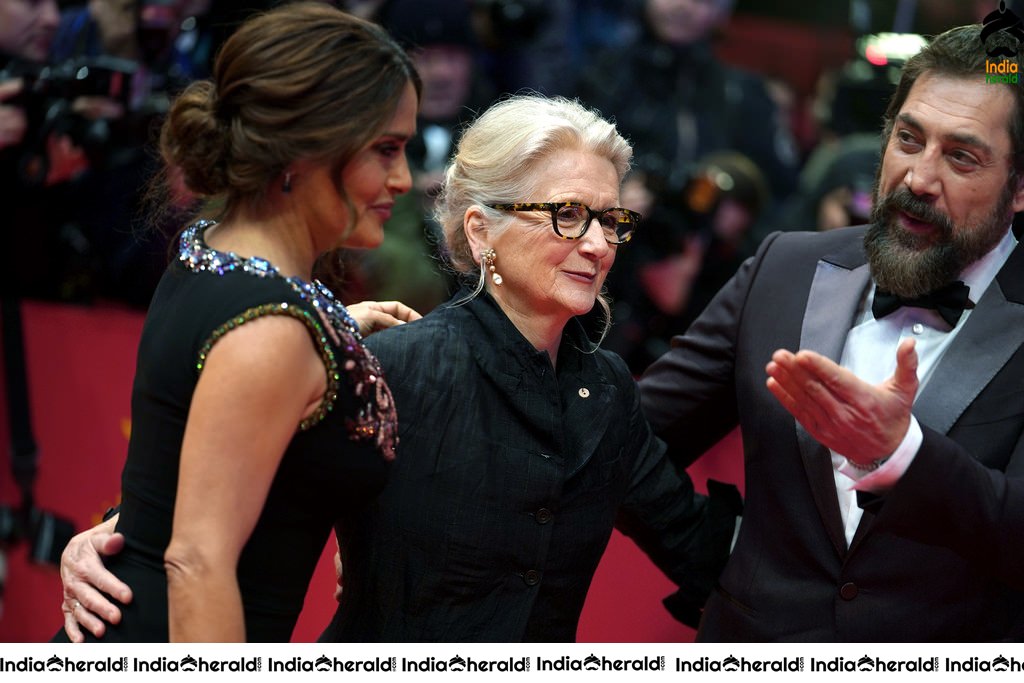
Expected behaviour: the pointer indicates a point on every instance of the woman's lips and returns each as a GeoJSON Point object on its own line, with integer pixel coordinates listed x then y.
{"type": "Point", "coordinates": [582, 276]}
{"type": "Point", "coordinates": [382, 210]}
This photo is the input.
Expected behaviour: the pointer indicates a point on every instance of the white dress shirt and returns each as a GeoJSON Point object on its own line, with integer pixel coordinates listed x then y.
{"type": "Point", "coordinates": [870, 353]}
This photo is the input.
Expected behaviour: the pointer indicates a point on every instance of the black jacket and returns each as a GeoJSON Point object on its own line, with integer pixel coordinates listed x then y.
{"type": "Point", "coordinates": [508, 482]}
{"type": "Point", "coordinates": [938, 557]}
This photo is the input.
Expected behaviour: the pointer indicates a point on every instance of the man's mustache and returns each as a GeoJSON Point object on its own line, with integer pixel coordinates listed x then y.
{"type": "Point", "coordinates": [905, 201]}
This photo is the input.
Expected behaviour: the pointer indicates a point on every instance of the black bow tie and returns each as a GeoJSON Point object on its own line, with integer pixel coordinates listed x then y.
{"type": "Point", "coordinates": [949, 302]}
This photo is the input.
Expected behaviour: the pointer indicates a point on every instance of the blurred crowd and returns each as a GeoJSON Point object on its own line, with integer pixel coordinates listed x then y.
{"type": "Point", "coordinates": [724, 155]}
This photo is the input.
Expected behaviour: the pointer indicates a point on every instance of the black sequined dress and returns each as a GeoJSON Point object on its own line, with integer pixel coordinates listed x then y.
{"type": "Point", "coordinates": [336, 461]}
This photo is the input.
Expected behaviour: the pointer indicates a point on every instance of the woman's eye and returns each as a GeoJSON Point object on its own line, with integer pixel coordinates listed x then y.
{"type": "Point", "coordinates": [569, 214]}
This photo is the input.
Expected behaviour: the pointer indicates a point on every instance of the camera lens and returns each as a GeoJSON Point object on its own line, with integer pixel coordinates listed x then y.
{"type": "Point", "coordinates": [48, 537]}
{"type": "Point", "coordinates": [8, 525]}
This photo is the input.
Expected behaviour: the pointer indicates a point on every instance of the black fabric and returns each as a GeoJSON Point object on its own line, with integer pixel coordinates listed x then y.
{"type": "Point", "coordinates": [649, 88]}
{"type": "Point", "coordinates": [323, 473]}
{"type": "Point", "coordinates": [948, 301]}
{"type": "Point", "coordinates": [509, 479]}
{"type": "Point", "coordinates": [936, 558]}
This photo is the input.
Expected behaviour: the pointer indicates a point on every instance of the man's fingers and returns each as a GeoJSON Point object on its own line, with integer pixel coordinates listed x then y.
{"type": "Point", "coordinates": [399, 311]}
{"type": "Point", "coordinates": [905, 376]}
{"type": "Point", "coordinates": [375, 320]}
{"type": "Point", "coordinates": [817, 392]}
{"type": "Point", "coordinates": [78, 616]}
{"type": "Point", "coordinates": [71, 628]}
{"type": "Point", "coordinates": [783, 396]}
{"type": "Point", "coordinates": [109, 544]}
{"type": "Point", "coordinates": [92, 602]}
{"type": "Point", "coordinates": [94, 573]}
{"type": "Point", "coordinates": [90, 621]}
{"type": "Point", "coordinates": [827, 372]}
{"type": "Point", "coordinates": [380, 315]}
{"type": "Point", "coordinates": [809, 397]}
{"type": "Point", "coordinates": [805, 411]}
{"type": "Point", "coordinates": [87, 583]}
{"type": "Point", "coordinates": [840, 410]}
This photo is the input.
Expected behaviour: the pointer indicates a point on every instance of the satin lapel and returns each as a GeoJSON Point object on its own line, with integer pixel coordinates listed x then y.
{"type": "Point", "coordinates": [835, 295]}
{"type": "Point", "coordinates": [992, 333]}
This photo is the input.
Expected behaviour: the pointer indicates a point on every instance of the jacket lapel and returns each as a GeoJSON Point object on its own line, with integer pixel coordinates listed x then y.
{"type": "Point", "coordinates": [992, 333]}
{"type": "Point", "coordinates": [575, 409]}
{"type": "Point", "coordinates": [835, 296]}
{"type": "Point", "coordinates": [587, 419]}
{"type": "Point", "coordinates": [588, 399]}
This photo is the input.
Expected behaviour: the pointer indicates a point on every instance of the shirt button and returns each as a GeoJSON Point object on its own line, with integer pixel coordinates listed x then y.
{"type": "Point", "coordinates": [584, 392]}
{"type": "Point", "coordinates": [543, 516]}
{"type": "Point", "coordinates": [918, 328]}
{"type": "Point", "coordinates": [848, 591]}
{"type": "Point", "coordinates": [531, 577]}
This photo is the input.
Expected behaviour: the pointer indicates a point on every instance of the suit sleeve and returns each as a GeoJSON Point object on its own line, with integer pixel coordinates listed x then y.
{"type": "Point", "coordinates": [689, 394]}
{"type": "Point", "coordinates": [685, 534]}
{"type": "Point", "coordinates": [947, 498]}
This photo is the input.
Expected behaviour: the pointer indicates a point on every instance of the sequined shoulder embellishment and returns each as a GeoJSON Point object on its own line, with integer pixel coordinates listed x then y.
{"type": "Point", "coordinates": [375, 418]}
{"type": "Point", "coordinates": [319, 337]}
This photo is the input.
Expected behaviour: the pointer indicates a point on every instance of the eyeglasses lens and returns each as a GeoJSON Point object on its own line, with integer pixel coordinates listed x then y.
{"type": "Point", "coordinates": [573, 221]}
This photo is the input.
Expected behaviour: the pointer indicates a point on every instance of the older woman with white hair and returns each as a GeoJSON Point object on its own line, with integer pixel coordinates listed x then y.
{"type": "Point", "coordinates": [522, 442]}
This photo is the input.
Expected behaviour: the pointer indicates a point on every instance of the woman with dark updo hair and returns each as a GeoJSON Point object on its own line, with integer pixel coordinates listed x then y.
{"type": "Point", "coordinates": [258, 416]}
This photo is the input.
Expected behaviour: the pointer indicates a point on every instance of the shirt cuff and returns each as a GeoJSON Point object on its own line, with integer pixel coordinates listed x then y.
{"type": "Point", "coordinates": [886, 476]}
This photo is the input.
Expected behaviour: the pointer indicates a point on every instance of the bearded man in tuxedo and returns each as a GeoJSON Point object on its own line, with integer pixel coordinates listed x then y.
{"type": "Point", "coordinates": [884, 460]}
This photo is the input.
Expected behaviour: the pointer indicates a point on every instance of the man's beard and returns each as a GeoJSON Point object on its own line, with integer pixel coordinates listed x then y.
{"type": "Point", "coordinates": [910, 265]}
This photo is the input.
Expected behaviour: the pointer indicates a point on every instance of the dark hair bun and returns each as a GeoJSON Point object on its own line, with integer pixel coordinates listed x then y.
{"type": "Point", "coordinates": [195, 140]}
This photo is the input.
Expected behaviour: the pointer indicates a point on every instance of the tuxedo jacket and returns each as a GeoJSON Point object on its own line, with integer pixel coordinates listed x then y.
{"type": "Point", "coordinates": [938, 557]}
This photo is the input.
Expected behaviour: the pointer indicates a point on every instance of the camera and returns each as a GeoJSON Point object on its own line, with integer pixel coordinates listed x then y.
{"type": "Point", "coordinates": [685, 204]}
{"type": "Point", "coordinates": [48, 96]}
{"type": "Point", "coordinates": [45, 533]}
{"type": "Point", "coordinates": [864, 85]}
{"type": "Point", "coordinates": [43, 83]}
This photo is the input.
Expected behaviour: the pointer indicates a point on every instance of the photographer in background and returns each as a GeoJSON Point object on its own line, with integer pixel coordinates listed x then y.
{"type": "Point", "coordinates": [137, 60]}
{"type": "Point", "coordinates": [26, 31]}
{"type": "Point", "coordinates": [697, 232]}
{"type": "Point", "coordinates": [27, 28]}
{"type": "Point", "coordinates": [678, 102]}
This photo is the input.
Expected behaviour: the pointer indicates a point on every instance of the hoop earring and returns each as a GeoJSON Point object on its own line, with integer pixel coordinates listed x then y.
{"type": "Point", "coordinates": [286, 186]}
{"type": "Point", "coordinates": [488, 257]}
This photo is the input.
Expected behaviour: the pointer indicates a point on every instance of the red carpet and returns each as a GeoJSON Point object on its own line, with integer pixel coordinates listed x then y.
{"type": "Point", "coordinates": [80, 363]}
